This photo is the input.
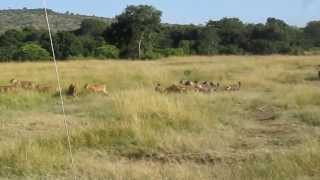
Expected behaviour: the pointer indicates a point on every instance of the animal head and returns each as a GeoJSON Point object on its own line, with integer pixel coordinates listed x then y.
{"type": "Point", "coordinates": [183, 82]}
{"type": "Point", "coordinates": [73, 84]}
{"type": "Point", "coordinates": [14, 81]}
{"type": "Point", "coordinates": [188, 83]}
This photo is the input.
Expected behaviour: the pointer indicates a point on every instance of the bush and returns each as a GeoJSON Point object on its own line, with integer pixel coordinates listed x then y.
{"type": "Point", "coordinates": [187, 46]}
{"type": "Point", "coordinates": [107, 51]}
{"type": "Point", "coordinates": [261, 46]}
{"type": "Point", "coordinates": [282, 47]}
{"type": "Point", "coordinates": [172, 52]}
{"type": "Point", "coordinates": [31, 52]}
{"type": "Point", "coordinates": [152, 55]}
{"type": "Point", "coordinates": [297, 51]}
{"type": "Point", "coordinates": [6, 53]}
{"type": "Point", "coordinates": [230, 49]}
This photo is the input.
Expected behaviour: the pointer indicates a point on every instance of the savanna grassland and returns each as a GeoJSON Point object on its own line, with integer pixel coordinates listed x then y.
{"type": "Point", "coordinates": [137, 133]}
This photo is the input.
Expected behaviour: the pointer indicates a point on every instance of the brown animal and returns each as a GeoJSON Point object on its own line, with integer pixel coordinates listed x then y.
{"type": "Point", "coordinates": [234, 87]}
{"type": "Point", "coordinates": [176, 89]}
{"type": "Point", "coordinates": [9, 88]}
{"type": "Point", "coordinates": [23, 84]}
{"type": "Point", "coordinates": [205, 87]}
{"type": "Point", "coordinates": [72, 90]}
{"type": "Point", "coordinates": [186, 83]}
{"type": "Point", "coordinates": [183, 82]}
{"type": "Point", "coordinates": [215, 87]}
{"type": "Point", "coordinates": [159, 89]}
{"type": "Point", "coordinates": [96, 88]}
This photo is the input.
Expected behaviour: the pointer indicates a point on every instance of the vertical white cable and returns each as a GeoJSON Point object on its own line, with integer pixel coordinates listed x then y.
{"type": "Point", "coordinates": [59, 87]}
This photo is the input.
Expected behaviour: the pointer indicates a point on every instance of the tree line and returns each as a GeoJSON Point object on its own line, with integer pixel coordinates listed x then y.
{"type": "Point", "coordinates": [137, 33]}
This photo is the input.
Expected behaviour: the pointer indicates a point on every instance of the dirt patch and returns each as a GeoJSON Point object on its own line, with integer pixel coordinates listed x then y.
{"type": "Point", "coordinates": [265, 113]}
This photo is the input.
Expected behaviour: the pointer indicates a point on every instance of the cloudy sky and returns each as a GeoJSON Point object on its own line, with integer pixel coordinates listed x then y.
{"type": "Point", "coordinates": [295, 12]}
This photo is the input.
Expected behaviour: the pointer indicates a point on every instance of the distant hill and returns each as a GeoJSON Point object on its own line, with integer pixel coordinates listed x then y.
{"type": "Point", "coordinates": [20, 18]}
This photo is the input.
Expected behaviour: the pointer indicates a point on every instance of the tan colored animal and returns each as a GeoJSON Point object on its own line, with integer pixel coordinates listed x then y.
{"type": "Point", "coordinates": [159, 89]}
{"type": "Point", "coordinates": [72, 90]}
{"type": "Point", "coordinates": [205, 87]}
{"type": "Point", "coordinates": [9, 88]}
{"type": "Point", "coordinates": [215, 87]}
{"type": "Point", "coordinates": [96, 88]}
{"type": "Point", "coordinates": [234, 87]}
{"type": "Point", "coordinates": [183, 82]}
{"type": "Point", "coordinates": [23, 84]}
{"type": "Point", "coordinates": [176, 89]}
{"type": "Point", "coordinates": [211, 86]}
{"type": "Point", "coordinates": [186, 83]}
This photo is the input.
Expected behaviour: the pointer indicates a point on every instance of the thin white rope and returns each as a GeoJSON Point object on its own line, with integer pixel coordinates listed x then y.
{"type": "Point", "coordinates": [59, 86]}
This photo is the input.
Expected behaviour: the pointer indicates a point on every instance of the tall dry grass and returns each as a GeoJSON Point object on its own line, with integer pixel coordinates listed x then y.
{"type": "Point", "coordinates": [136, 133]}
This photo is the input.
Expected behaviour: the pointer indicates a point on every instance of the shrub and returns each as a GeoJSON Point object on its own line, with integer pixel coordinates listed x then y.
{"type": "Point", "coordinates": [152, 55]}
{"type": "Point", "coordinates": [261, 46]}
{"type": "Point", "coordinates": [297, 51]}
{"type": "Point", "coordinates": [282, 47]}
{"type": "Point", "coordinates": [187, 46]}
{"type": "Point", "coordinates": [230, 49]}
{"type": "Point", "coordinates": [172, 52]}
{"type": "Point", "coordinates": [31, 52]}
{"type": "Point", "coordinates": [6, 53]}
{"type": "Point", "coordinates": [107, 51]}
{"type": "Point", "coordinates": [309, 117]}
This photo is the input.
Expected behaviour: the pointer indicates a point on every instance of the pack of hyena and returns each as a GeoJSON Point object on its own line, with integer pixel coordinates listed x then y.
{"type": "Point", "coordinates": [72, 90]}
{"type": "Point", "coordinates": [185, 86]}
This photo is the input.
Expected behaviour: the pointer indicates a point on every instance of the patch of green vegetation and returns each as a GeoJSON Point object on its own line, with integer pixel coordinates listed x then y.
{"type": "Point", "coordinates": [310, 117]}
{"type": "Point", "coordinates": [24, 100]}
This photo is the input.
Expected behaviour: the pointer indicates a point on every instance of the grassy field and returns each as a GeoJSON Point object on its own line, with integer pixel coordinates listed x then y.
{"type": "Point", "coordinates": [136, 133]}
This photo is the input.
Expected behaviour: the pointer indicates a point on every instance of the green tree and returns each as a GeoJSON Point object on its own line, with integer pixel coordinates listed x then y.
{"type": "Point", "coordinates": [32, 35]}
{"type": "Point", "coordinates": [208, 42]}
{"type": "Point", "coordinates": [232, 34]}
{"type": "Point", "coordinates": [90, 44]}
{"type": "Point", "coordinates": [31, 52]}
{"type": "Point", "coordinates": [67, 45]}
{"type": "Point", "coordinates": [312, 33]}
{"type": "Point", "coordinates": [107, 51]}
{"type": "Point", "coordinates": [274, 37]}
{"type": "Point", "coordinates": [135, 30]}
{"type": "Point", "coordinates": [7, 53]}
{"type": "Point", "coordinates": [12, 38]}
{"type": "Point", "coordinates": [187, 46]}
{"type": "Point", "coordinates": [92, 27]}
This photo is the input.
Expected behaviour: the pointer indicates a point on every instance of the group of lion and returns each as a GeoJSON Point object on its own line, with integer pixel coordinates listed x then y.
{"type": "Point", "coordinates": [72, 90]}
{"type": "Point", "coordinates": [185, 86]}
